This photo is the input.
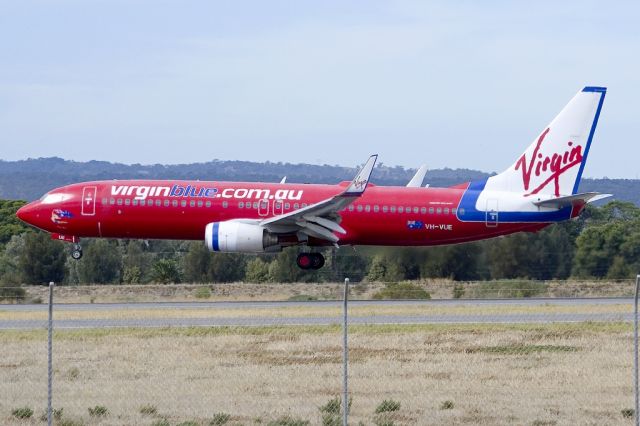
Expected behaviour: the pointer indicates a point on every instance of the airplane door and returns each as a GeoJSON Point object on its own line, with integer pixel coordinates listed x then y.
{"type": "Point", "coordinates": [89, 201]}
{"type": "Point", "coordinates": [492, 213]}
{"type": "Point", "coordinates": [263, 207]}
{"type": "Point", "coordinates": [278, 207]}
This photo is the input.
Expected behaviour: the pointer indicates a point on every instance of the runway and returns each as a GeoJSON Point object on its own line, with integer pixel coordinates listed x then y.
{"type": "Point", "coordinates": [227, 314]}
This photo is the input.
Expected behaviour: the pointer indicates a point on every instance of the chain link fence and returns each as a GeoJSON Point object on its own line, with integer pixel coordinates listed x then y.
{"type": "Point", "coordinates": [514, 352]}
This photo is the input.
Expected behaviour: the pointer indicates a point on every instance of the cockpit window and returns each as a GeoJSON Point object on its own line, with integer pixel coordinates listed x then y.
{"type": "Point", "coordinates": [55, 198]}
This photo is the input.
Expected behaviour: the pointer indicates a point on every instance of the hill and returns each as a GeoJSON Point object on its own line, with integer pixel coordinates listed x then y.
{"type": "Point", "coordinates": [29, 179]}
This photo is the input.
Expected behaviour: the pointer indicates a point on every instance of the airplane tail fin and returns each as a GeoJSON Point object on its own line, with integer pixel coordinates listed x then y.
{"type": "Point", "coordinates": [554, 162]}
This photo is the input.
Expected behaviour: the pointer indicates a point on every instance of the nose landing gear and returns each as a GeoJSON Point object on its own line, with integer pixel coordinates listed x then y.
{"type": "Point", "coordinates": [310, 261]}
{"type": "Point", "coordinates": [76, 251]}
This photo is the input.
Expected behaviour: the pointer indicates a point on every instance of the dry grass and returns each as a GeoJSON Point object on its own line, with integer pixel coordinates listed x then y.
{"type": "Point", "coordinates": [552, 374]}
{"type": "Point", "coordinates": [316, 311]}
{"type": "Point", "coordinates": [438, 288]}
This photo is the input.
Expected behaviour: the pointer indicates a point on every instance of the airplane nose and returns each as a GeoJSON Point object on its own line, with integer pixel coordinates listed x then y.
{"type": "Point", "coordinates": [27, 213]}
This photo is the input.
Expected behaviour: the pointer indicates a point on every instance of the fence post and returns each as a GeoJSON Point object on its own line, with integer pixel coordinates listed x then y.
{"type": "Point", "coordinates": [635, 351]}
{"type": "Point", "coordinates": [50, 353]}
{"type": "Point", "coordinates": [345, 356]}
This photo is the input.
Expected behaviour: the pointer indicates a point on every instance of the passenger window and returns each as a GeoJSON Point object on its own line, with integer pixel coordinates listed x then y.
{"type": "Point", "coordinates": [119, 201]}
{"type": "Point", "coordinates": [225, 204]}
{"type": "Point", "coordinates": [247, 205]}
{"type": "Point", "coordinates": [453, 210]}
{"type": "Point", "coordinates": [367, 208]}
{"type": "Point", "coordinates": [158, 203]}
{"type": "Point", "coordinates": [183, 203]}
{"type": "Point", "coordinates": [415, 210]}
{"type": "Point", "coordinates": [359, 208]}
{"type": "Point", "coordinates": [255, 205]}
{"type": "Point", "coordinates": [199, 203]}
{"type": "Point", "coordinates": [174, 203]}
{"type": "Point", "coordinates": [461, 212]}
{"type": "Point", "coordinates": [376, 209]}
{"type": "Point", "coordinates": [438, 210]}
{"type": "Point", "coordinates": [400, 209]}
{"type": "Point", "coordinates": [112, 201]}
{"type": "Point", "coordinates": [446, 210]}
{"type": "Point", "coordinates": [408, 210]}
{"type": "Point", "coordinates": [423, 210]}
{"type": "Point", "coordinates": [166, 203]}
{"type": "Point", "coordinates": [287, 206]}
{"type": "Point", "coordinates": [241, 204]}
{"type": "Point", "coordinates": [143, 202]}
{"type": "Point", "coordinates": [431, 210]}
{"type": "Point", "coordinates": [385, 209]}
{"type": "Point", "coordinates": [104, 201]}
{"type": "Point", "coordinates": [134, 202]}
{"type": "Point", "coordinates": [127, 202]}
{"type": "Point", "coordinates": [351, 207]}
{"type": "Point", "coordinates": [296, 206]}
{"type": "Point", "coordinates": [207, 204]}
{"type": "Point", "coordinates": [393, 209]}
{"type": "Point", "coordinates": [192, 203]}
{"type": "Point", "coordinates": [304, 205]}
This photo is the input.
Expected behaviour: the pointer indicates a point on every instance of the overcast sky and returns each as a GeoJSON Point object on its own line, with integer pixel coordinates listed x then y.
{"type": "Point", "coordinates": [450, 84]}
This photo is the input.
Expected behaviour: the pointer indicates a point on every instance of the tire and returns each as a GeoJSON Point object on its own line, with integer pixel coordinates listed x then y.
{"type": "Point", "coordinates": [317, 261]}
{"type": "Point", "coordinates": [76, 254]}
{"type": "Point", "coordinates": [304, 261]}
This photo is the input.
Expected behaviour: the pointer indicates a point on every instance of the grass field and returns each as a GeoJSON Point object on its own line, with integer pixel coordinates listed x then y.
{"type": "Point", "coordinates": [556, 374]}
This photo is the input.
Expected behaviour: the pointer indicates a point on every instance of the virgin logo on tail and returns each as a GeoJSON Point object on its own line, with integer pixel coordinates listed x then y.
{"type": "Point", "coordinates": [551, 167]}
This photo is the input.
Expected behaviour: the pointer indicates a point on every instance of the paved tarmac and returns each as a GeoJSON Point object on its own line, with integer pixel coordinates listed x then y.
{"type": "Point", "coordinates": [165, 320]}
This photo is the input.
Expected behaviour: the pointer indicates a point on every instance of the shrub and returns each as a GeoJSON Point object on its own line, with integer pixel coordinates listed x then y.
{"type": "Point", "coordinates": [98, 411]}
{"type": "Point", "coordinates": [627, 413]}
{"type": "Point", "coordinates": [381, 421]}
{"type": "Point", "coordinates": [203, 293]}
{"type": "Point", "coordinates": [509, 289]}
{"type": "Point", "coordinates": [446, 405]}
{"type": "Point", "coordinates": [148, 410]}
{"type": "Point", "coordinates": [288, 421]}
{"type": "Point", "coordinates": [69, 422]}
{"type": "Point", "coordinates": [329, 419]}
{"type": "Point", "coordinates": [458, 291]}
{"type": "Point", "coordinates": [12, 293]}
{"type": "Point", "coordinates": [188, 423]}
{"type": "Point", "coordinates": [22, 413]}
{"type": "Point", "coordinates": [402, 291]}
{"type": "Point", "coordinates": [332, 406]}
{"type": "Point", "coordinates": [56, 414]}
{"type": "Point", "coordinates": [161, 422]}
{"type": "Point", "coordinates": [219, 419]}
{"type": "Point", "coordinates": [302, 298]}
{"type": "Point", "coordinates": [387, 406]}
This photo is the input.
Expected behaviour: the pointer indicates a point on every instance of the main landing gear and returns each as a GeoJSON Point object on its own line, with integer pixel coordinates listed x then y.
{"type": "Point", "coordinates": [76, 251]}
{"type": "Point", "coordinates": [310, 261]}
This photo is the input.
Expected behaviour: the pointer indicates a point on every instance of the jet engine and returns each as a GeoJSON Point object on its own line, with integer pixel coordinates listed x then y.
{"type": "Point", "coordinates": [234, 236]}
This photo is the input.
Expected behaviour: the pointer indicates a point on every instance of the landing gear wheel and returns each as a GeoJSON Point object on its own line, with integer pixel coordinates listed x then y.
{"type": "Point", "coordinates": [304, 261]}
{"type": "Point", "coordinates": [317, 261]}
{"type": "Point", "coordinates": [76, 253]}
{"type": "Point", "coordinates": [313, 261]}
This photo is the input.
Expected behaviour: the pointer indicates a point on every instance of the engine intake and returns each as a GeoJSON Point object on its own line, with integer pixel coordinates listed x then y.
{"type": "Point", "coordinates": [231, 236]}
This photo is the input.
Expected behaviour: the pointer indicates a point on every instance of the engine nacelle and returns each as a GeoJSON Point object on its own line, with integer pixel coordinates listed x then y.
{"type": "Point", "coordinates": [232, 236]}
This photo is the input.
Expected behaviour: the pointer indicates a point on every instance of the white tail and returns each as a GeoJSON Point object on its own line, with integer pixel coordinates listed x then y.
{"type": "Point", "coordinates": [552, 165]}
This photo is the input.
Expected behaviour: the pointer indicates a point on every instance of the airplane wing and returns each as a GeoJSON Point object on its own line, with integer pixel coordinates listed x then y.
{"type": "Point", "coordinates": [559, 202]}
{"type": "Point", "coordinates": [416, 180]}
{"type": "Point", "coordinates": [321, 220]}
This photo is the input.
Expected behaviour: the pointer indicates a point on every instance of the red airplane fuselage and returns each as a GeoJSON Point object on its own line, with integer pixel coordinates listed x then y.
{"type": "Point", "coordinates": [396, 216]}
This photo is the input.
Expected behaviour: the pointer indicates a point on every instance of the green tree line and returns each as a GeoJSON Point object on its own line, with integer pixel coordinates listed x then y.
{"type": "Point", "coordinates": [603, 243]}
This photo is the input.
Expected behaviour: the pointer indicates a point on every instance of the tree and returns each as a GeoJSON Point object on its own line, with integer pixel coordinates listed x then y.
{"type": "Point", "coordinates": [9, 223]}
{"type": "Point", "coordinates": [195, 263]}
{"type": "Point", "coordinates": [227, 267]}
{"type": "Point", "coordinates": [101, 263]}
{"type": "Point", "coordinates": [166, 271]}
{"type": "Point", "coordinates": [257, 271]}
{"type": "Point", "coordinates": [42, 259]}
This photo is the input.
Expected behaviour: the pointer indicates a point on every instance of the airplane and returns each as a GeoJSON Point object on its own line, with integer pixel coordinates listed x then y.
{"type": "Point", "coordinates": [540, 188]}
